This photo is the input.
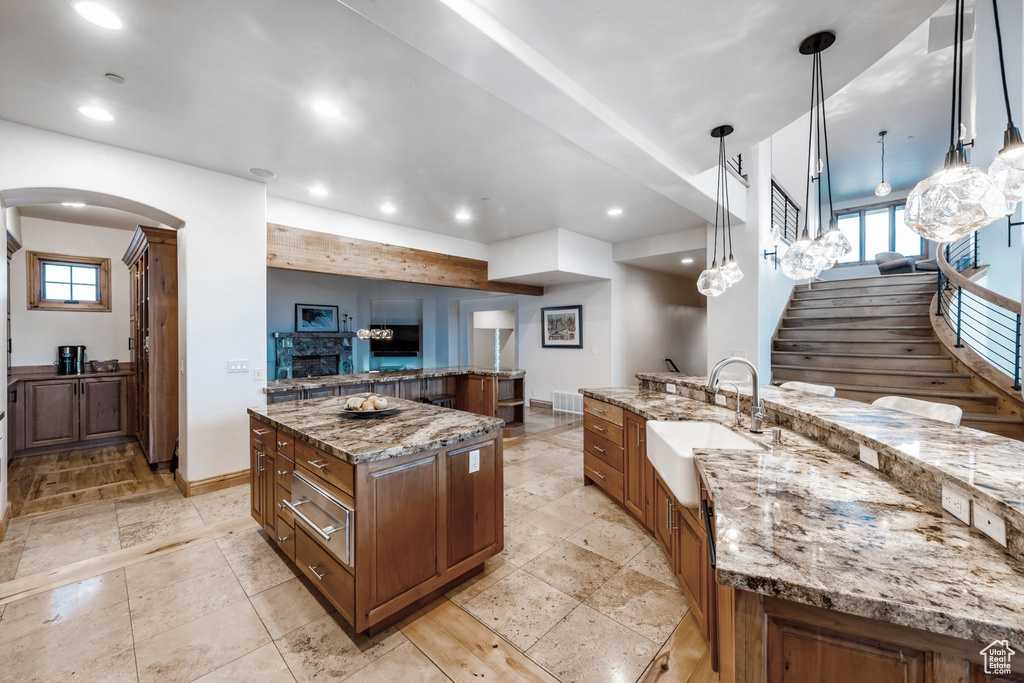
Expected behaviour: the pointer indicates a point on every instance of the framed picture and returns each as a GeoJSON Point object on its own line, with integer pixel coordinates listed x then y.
{"type": "Point", "coordinates": [562, 327]}
{"type": "Point", "coordinates": [314, 318]}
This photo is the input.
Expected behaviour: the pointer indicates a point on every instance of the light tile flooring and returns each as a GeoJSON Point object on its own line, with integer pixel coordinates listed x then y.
{"type": "Point", "coordinates": [581, 589]}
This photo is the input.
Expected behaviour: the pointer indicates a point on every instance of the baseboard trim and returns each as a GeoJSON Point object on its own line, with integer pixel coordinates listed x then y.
{"type": "Point", "coordinates": [5, 521]}
{"type": "Point", "coordinates": [536, 403]}
{"type": "Point", "coordinates": [201, 486]}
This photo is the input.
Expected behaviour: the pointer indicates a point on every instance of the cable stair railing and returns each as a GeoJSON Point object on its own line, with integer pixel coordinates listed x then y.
{"type": "Point", "coordinates": [983, 321]}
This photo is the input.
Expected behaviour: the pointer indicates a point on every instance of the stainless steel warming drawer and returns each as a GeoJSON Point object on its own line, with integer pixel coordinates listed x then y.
{"type": "Point", "coordinates": [324, 515]}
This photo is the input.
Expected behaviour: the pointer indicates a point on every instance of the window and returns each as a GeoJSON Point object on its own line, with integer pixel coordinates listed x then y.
{"type": "Point", "coordinates": [68, 283]}
{"type": "Point", "coordinates": [872, 230]}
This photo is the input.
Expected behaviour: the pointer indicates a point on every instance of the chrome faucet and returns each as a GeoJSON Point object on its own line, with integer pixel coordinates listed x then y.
{"type": "Point", "coordinates": [757, 414]}
{"type": "Point", "coordinates": [739, 413]}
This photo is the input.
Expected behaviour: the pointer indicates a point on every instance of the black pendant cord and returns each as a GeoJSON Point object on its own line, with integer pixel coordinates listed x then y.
{"type": "Point", "coordinates": [824, 132]}
{"type": "Point", "coordinates": [810, 156]}
{"type": "Point", "coordinates": [718, 203]}
{"type": "Point", "coordinates": [725, 184]}
{"type": "Point", "coordinates": [883, 156]}
{"type": "Point", "coordinates": [952, 105]}
{"type": "Point", "coordinates": [960, 68]}
{"type": "Point", "coordinates": [1002, 65]}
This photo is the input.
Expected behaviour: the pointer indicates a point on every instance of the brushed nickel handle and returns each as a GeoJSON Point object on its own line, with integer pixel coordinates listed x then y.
{"type": "Point", "coordinates": [600, 429]}
{"type": "Point", "coordinates": [668, 514]}
{"type": "Point", "coordinates": [280, 506]}
{"type": "Point", "coordinates": [672, 509]}
{"type": "Point", "coordinates": [317, 530]}
{"type": "Point", "coordinates": [282, 444]}
{"type": "Point", "coordinates": [259, 459]}
{"type": "Point", "coordinates": [598, 448]}
{"type": "Point", "coordinates": [281, 473]}
{"type": "Point", "coordinates": [599, 474]}
{"type": "Point", "coordinates": [598, 410]}
{"type": "Point", "coordinates": [318, 575]}
{"type": "Point", "coordinates": [260, 432]}
{"type": "Point", "coordinates": [282, 539]}
{"type": "Point", "coordinates": [318, 464]}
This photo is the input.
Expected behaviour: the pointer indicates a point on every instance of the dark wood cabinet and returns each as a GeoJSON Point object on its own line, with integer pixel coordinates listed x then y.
{"type": "Point", "coordinates": [103, 407]}
{"type": "Point", "coordinates": [261, 464]}
{"type": "Point", "coordinates": [152, 260]}
{"type": "Point", "coordinates": [51, 412]}
{"type": "Point", "coordinates": [636, 490]}
{"type": "Point", "coordinates": [477, 394]}
{"type": "Point", "coordinates": [664, 517]}
{"type": "Point", "coordinates": [67, 410]}
{"type": "Point", "coordinates": [692, 565]}
{"type": "Point", "coordinates": [473, 475]}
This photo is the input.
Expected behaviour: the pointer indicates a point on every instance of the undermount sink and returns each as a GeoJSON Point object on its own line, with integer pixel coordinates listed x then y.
{"type": "Point", "coordinates": [670, 448]}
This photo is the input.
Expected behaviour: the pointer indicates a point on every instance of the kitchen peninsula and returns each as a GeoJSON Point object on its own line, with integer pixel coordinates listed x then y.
{"type": "Point", "coordinates": [381, 514]}
{"type": "Point", "coordinates": [803, 564]}
{"type": "Point", "coordinates": [484, 391]}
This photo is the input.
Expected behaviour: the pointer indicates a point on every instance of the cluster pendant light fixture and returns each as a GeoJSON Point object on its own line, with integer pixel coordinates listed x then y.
{"type": "Point", "coordinates": [959, 199]}
{"type": "Point", "coordinates": [883, 188]}
{"type": "Point", "coordinates": [1007, 169]}
{"type": "Point", "coordinates": [816, 249]}
{"type": "Point", "coordinates": [717, 279]}
{"type": "Point", "coordinates": [384, 333]}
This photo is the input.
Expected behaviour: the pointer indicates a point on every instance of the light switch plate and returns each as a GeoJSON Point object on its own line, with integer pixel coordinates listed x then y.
{"type": "Point", "coordinates": [474, 461]}
{"type": "Point", "coordinates": [238, 365]}
{"type": "Point", "coordinates": [869, 456]}
{"type": "Point", "coordinates": [989, 524]}
{"type": "Point", "coordinates": [957, 504]}
{"type": "Point", "coordinates": [721, 400]}
{"type": "Point", "coordinates": [670, 388]}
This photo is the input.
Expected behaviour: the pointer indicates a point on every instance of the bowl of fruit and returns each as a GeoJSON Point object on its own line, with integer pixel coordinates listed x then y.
{"type": "Point", "coordinates": [363, 407]}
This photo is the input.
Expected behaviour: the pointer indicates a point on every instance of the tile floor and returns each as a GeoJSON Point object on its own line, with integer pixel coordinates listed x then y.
{"type": "Point", "coordinates": [581, 589]}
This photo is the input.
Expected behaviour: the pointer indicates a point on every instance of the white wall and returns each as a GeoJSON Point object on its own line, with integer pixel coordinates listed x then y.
{"type": "Point", "coordinates": [35, 334]}
{"type": "Point", "coordinates": [14, 226]}
{"type": "Point", "coordinates": [222, 252]}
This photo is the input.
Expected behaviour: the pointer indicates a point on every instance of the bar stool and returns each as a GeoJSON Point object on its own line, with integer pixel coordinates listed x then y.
{"type": "Point", "coordinates": [446, 400]}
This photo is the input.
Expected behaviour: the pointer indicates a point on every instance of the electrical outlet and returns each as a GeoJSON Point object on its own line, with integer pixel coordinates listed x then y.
{"type": "Point", "coordinates": [739, 353]}
{"type": "Point", "coordinates": [989, 524]}
{"type": "Point", "coordinates": [721, 400]}
{"type": "Point", "coordinates": [238, 366]}
{"type": "Point", "coordinates": [670, 388]}
{"type": "Point", "coordinates": [869, 456]}
{"type": "Point", "coordinates": [257, 374]}
{"type": "Point", "coordinates": [474, 461]}
{"type": "Point", "coordinates": [593, 350]}
{"type": "Point", "coordinates": [957, 505]}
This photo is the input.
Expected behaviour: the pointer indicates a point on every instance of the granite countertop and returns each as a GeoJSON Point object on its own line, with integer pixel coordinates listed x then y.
{"type": "Point", "coordinates": [804, 523]}
{"type": "Point", "coordinates": [385, 376]}
{"type": "Point", "coordinates": [417, 427]}
{"type": "Point", "coordinates": [921, 454]}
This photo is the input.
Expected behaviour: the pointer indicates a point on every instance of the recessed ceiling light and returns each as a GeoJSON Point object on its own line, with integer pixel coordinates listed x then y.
{"type": "Point", "coordinates": [463, 215]}
{"type": "Point", "coordinates": [318, 190]}
{"type": "Point", "coordinates": [98, 14]}
{"type": "Point", "coordinates": [388, 208]}
{"type": "Point", "coordinates": [262, 172]}
{"type": "Point", "coordinates": [614, 212]}
{"type": "Point", "coordinates": [96, 113]}
{"type": "Point", "coordinates": [686, 261]}
{"type": "Point", "coordinates": [325, 108]}
{"type": "Point", "coordinates": [114, 78]}
{"type": "Point", "coordinates": [74, 205]}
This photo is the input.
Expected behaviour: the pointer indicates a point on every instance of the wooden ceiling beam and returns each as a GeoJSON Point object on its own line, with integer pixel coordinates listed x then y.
{"type": "Point", "coordinates": [320, 252]}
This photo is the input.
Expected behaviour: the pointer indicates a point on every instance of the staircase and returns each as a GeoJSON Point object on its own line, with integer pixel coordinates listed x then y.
{"type": "Point", "coordinates": [872, 336]}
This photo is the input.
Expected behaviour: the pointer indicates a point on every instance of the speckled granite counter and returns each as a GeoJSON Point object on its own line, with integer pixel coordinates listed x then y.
{"type": "Point", "coordinates": [416, 428]}
{"type": "Point", "coordinates": [804, 523]}
{"type": "Point", "coordinates": [388, 376]}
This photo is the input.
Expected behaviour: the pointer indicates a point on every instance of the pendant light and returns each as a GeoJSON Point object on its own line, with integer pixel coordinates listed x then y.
{"type": "Point", "coordinates": [958, 200]}
{"type": "Point", "coordinates": [816, 249]}
{"type": "Point", "coordinates": [883, 188]}
{"type": "Point", "coordinates": [382, 333]}
{"type": "Point", "coordinates": [717, 279]}
{"type": "Point", "coordinates": [1007, 169]}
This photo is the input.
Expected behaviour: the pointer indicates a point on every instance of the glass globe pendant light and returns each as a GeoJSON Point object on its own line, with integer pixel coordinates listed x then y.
{"type": "Point", "coordinates": [883, 188]}
{"type": "Point", "coordinates": [1007, 169]}
{"type": "Point", "coordinates": [958, 200]}
{"type": "Point", "coordinates": [716, 279]}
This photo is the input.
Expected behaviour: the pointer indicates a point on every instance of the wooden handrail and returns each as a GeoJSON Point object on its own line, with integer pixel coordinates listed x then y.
{"type": "Point", "coordinates": [974, 288]}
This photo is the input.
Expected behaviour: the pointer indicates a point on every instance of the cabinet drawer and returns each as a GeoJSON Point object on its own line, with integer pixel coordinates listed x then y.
{"type": "Point", "coordinates": [606, 450]}
{"type": "Point", "coordinates": [607, 478]}
{"type": "Point", "coordinates": [283, 468]}
{"type": "Point", "coordinates": [285, 538]}
{"type": "Point", "coordinates": [285, 445]}
{"type": "Point", "coordinates": [262, 432]}
{"type": "Point", "coordinates": [608, 430]}
{"type": "Point", "coordinates": [605, 411]}
{"type": "Point", "coordinates": [281, 495]}
{"type": "Point", "coordinates": [326, 573]}
{"type": "Point", "coordinates": [327, 467]}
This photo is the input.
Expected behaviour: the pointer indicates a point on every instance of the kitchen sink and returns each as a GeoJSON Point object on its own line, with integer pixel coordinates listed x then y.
{"type": "Point", "coordinates": [670, 449]}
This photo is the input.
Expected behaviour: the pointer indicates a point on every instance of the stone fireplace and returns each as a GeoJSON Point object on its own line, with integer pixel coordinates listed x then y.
{"type": "Point", "coordinates": [312, 354]}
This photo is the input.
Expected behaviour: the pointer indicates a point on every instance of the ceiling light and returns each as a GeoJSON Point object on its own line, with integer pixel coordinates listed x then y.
{"type": "Point", "coordinates": [686, 261]}
{"type": "Point", "coordinates": [114, 78]}
{"type": "Point", "coordinates": [262, 172]}
{"type": "Point", "coordinates": [463, 215]}
{"type": "Point", "coordinates": [715, 280]}
{"type": "Point", "coordinates": [883, 188]}
{"type": "Point", "coordinates": [318, 190]}
{"type": "Point", "coordinates": [96, 113]}
{"type": "Point", "coordinates": [388, 208]}
{"type": "Point", "coordinates": [98, 14]}
{"type": "Point", "coordinates": [325, 108]}
{"type": "Point", "coordinates": [73, 205]}
{"type": "Point", "coordinates": [1007, 169]}
{"type": "Point", "coordinates": [614, 212]}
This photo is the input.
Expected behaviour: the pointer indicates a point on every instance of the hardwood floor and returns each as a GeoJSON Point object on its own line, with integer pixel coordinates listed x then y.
{"type": "Point", "coordinates": [40, 484]}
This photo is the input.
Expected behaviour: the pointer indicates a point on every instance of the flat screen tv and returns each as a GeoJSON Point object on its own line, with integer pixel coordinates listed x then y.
{"type": "Point", "coordinates": [406, 342]}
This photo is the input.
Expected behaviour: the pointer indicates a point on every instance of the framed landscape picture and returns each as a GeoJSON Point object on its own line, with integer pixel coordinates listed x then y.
{"type": "Point", "coordinates": [314, 318]}
{"type": "Point", "coordinates": [562, 327]}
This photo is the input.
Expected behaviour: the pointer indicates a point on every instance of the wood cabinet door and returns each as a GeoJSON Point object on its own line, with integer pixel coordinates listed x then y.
{"type": "Point", "coordinates": [636, 457]}
{"type": "Point", "coordinates": [692, 564]}
{"type": "Point", "coordinates": [385, 388]}
{"type": "Point", "coordinates": [664, 503]}
{"type": "Point", "coordinates": [480, 395]}
{"type": "Point", "coordinates": [323, 392]}
{"type": "Point", "coordinates": [411, 389]}
{"type": "Point", "coordinates": [403, 505]}
{"type": "Point", "coordinates": [268, 489]}
{"type": "Point", "coordinates": [103, 408]}
{"type": "Point", "coordinates": [51, 412]}
{"type": "Point", "coordinates": [257, 464]}
{"type": "Point", "coordinates": [472, 509]}
{"type": "Point", "coordinates": [283, 396]}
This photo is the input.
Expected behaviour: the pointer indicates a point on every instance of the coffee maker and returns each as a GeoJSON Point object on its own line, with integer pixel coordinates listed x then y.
{"type": "Point", "coordinates": [70, 360]}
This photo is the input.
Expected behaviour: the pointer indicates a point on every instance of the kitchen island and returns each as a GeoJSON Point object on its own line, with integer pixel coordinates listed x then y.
{"type": "Point", "coordinates": [802, 563]}
{"type": "Point", "coordinates": [382, 514]}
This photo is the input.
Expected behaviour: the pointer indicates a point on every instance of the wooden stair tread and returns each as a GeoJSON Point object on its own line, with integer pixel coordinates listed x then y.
{"type": "Point", "coordinates": [901, 391]}
{"type": "Point", "coordinates": [858, 341]}
{"type": "Point", "coordinates": [992, 417]}
{"type": "Point", "coordinates": [865, 315]}
{"type": "Point", "coordinates": [870, 371]}
{"type": "Point", "coordinates": [875, 279]}
{"type": "Point", "coordinates": [843, 327]}
{"type": "Point", "coordinates": [840, 354]}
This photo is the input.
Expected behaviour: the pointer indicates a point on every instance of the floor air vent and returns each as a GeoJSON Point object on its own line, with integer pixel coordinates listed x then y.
{"type": "Point", "coordinates": [564, 402]}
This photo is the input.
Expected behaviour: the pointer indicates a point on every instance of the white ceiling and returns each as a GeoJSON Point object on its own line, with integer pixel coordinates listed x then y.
{"type": "Point", "coordinates": [86, 215]}
{"type": "Point", "coordinates": [672, 263]}
{"type": "Point", "coordinates": [533, 115]}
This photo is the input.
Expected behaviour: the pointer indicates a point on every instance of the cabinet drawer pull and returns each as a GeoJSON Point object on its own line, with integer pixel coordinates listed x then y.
{"type": "Point", "coordinates": [260, 432]}
{"type": "Point", "coordinates": [282, 444]}
{"type": "Point", "coordinates": [318, 575]}
{"type": "Point", "coordinates": [599, 474]}
{"type": "Point", "coordinates": [598, 410]}
{"type": "Point", "coordinates": [599, 449]}
{"type": "Point", "coordinates": [282, 539]}
{"type": "Point", "coordinates": [668, 514]}
{"type": "Point", "coordinates": [600, 429]}
{"type": "Point", "coordinates": [281, 473]}
{"type": "Point", "coordinates": [318, 464]}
